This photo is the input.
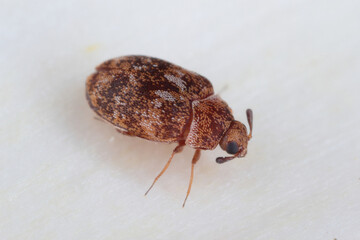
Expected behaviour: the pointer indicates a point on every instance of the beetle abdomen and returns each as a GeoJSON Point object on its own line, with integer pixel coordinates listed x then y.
{"type": "Point", "coordinates": [146, 97]}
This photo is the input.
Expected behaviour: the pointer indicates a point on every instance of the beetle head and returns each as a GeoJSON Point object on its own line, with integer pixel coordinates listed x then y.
{"type": "Point", "coordinates": [236, 139]}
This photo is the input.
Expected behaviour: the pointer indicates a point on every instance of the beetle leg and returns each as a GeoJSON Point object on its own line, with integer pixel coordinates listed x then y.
{"type": "Point", "coordinates": [193, 162]}
{"type": "Point", "coordinates": [178, 149]}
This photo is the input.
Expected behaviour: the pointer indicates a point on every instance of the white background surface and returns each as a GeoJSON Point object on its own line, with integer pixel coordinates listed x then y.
{"type": "Point", "coordinates": [64, 175]}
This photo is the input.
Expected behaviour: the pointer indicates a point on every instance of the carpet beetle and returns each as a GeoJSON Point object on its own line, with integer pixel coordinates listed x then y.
{"type": "Point", "coordinates": [156, 100]}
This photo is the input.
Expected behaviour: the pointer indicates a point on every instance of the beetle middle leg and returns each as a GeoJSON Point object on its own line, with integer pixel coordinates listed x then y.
{"type": "Point", "coordinates": [178, 149]}
{"type": "Point", "coordinates": [193, 162]}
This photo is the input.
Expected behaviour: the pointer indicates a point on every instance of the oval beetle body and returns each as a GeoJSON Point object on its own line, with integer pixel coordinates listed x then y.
{"type": "Point", "coordinates": [153, 99]}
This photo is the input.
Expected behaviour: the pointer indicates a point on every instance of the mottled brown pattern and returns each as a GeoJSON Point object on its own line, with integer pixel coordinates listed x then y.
{"type": "Point", "coordinates": [146, 97]}
{"type": "Point", "coordinates": [211, 119]}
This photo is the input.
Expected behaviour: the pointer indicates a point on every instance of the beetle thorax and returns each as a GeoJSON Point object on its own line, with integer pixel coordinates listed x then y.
{"type": "Point", "coordinates": [211, 118]}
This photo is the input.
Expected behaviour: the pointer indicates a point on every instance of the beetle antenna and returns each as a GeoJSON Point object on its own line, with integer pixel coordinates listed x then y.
{"type": "Point", "coordinates": [224, 159]}
{"type": "Point", "coordinates": [249, 115]}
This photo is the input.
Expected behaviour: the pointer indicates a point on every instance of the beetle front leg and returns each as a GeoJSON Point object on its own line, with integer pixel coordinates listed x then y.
{"type": "Point", "coordinates": [193, 162]}
{"type": "Point", "coordinates": [178, 149]}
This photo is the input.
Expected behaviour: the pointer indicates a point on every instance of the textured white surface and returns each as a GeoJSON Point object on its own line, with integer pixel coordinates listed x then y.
{"type": "Point", "coordinates": [64, 175]}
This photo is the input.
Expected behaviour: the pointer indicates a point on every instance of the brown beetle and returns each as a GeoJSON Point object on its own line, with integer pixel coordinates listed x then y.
{"type": "Point", "coordinates": [153, 99]}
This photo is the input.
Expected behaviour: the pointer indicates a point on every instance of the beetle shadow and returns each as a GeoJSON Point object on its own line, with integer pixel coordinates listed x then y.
{"type": "Point", "coordinates": [138, 158]}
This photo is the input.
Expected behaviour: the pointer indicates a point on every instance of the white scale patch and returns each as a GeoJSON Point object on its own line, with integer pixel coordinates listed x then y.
{"type": "Point", "coordinates": [137, 67]}
{"type": "Point", "coordinates": [157, 118]}
{"type": "Point", "coordinates": [101, 83]}
{"type": "Point", "coordinates": [147, 127]}
{"type": "Point", "coordinates": [178, 81]}
{"type": "Point", "coordinates": [180, 73]}
{"type": "Point", "coordinates": [118, 101]}
{"type": "Point", "coordinates": [165, 95]}
{"type": "Point", "coordinates": [132, 79]}
{"type": "Point", "coordinates": [115, 114]}
{"type": "Point", "coordinates": [157, 103]}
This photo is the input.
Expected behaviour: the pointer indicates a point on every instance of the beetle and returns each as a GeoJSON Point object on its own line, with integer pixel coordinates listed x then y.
{"type": "Point", "coordinates": [159, 101]}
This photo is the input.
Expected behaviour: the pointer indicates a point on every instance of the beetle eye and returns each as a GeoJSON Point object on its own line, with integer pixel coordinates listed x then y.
{"type": "Point", "coordinates": [232, 148]}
